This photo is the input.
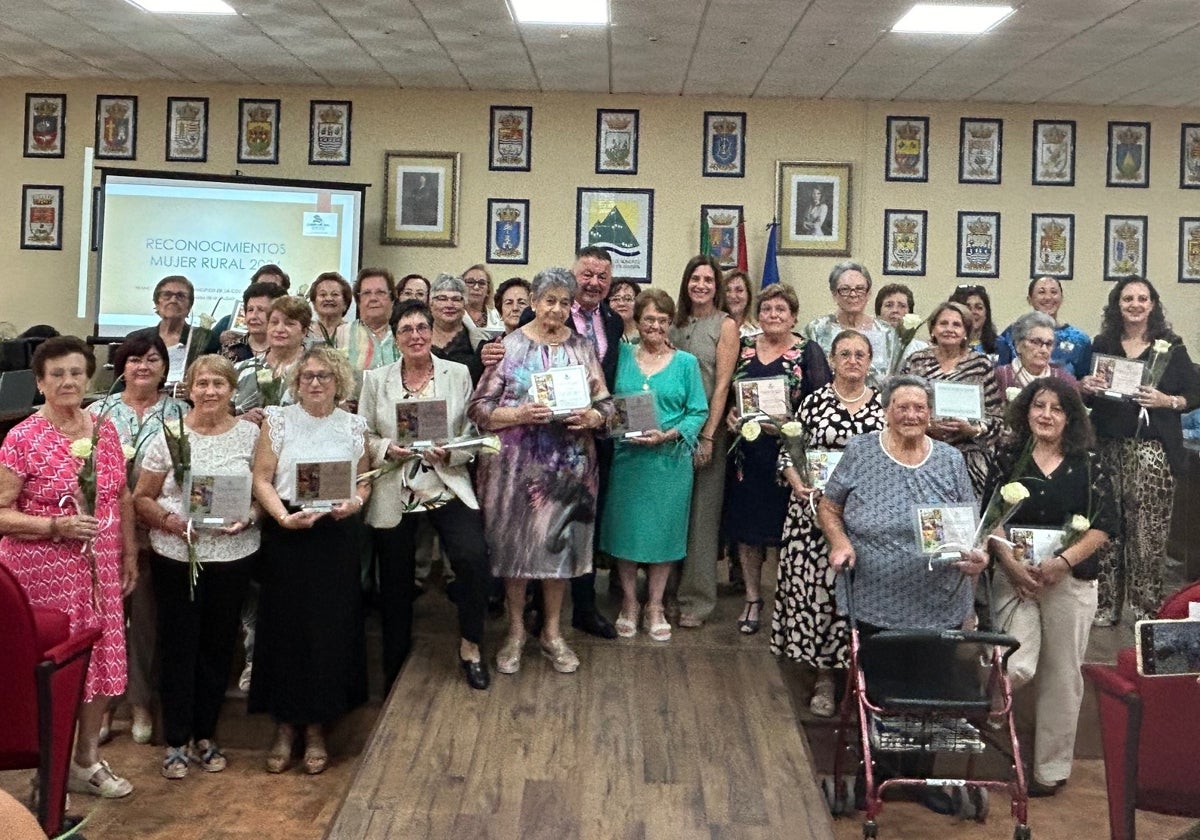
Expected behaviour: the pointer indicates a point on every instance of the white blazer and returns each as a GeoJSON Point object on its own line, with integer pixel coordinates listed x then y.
{"type": "Point", "coordinates": [382, 389]}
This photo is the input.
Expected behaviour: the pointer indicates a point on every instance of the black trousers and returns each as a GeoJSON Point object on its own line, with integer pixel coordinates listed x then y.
{"type": "Point", "coordinates": [460, 529]}
{"type": "Point", "coordinates": [583, 588]}
{"type": "Point", "coordinates": [196, 638]}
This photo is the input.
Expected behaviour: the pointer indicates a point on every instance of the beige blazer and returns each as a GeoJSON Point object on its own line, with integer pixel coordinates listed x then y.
{"type": "Point", "coordinates": [382, 389]}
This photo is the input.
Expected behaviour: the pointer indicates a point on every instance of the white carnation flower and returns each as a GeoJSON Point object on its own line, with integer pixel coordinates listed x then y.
{"type": "Point", "coordinates": [81, 448]}
{"type": "Point", "coordinates": [1014, 492]}
{"type": "Point", "coordinates": [751, 429]}
{"type": "Point", "coordinates": [792, 428]}
{"type": "Point", "coordinates": [912, 321]}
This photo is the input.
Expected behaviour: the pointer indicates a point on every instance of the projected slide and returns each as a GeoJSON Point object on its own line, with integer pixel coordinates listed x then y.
{"type": "Point", "coordinates": [216, 234]}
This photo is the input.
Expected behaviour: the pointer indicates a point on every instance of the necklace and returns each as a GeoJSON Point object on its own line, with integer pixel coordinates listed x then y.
{"type": "Point", "coordinates": [411, 391]}
{"type": "Point", "coordinates": [926, 449]}
{"type": "Point", "coordinates": [846, 399]}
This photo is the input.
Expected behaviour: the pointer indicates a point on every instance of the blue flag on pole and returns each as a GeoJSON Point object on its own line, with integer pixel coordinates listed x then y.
{"type": "Point", "coordinates": [770, 272]}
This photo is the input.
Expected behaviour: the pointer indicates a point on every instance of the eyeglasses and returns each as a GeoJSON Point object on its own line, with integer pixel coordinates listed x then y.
{"type": "Point", "coordinates": [477, 282]}
{"type": "Point", "coordinates": [374, 293]}
{"type": "Point", "coordinates": [852, 291]}
{"type": "Point", "coordinates": [621, 299]}
{"type": "Point", "coordinates": [308, 377]}
{"type": "Point", "coordinates": [447, 299]}
{"type": "Point", "coordinates": [418, 329]}
{"type": "Point", "coordinates": [1045, 343]}
{"type": "Point", "coordinates": [857, 355]}
{"type": "Point", "coordinates": [169, 295]}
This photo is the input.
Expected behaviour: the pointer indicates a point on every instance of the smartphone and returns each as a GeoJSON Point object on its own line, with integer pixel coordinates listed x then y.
{"type": "Point", "coordinates": [1168, 647]}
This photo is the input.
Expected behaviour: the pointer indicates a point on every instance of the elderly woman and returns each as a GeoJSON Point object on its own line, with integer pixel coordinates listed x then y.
{"type": "Point", "coordinates": [805, 626]}
{"type": "Point", "coordinates": [437, 490]}
{"type": "Point", "coordinates": [756, 504]}
{"type": "Point", "coordinates": [539, 492]}
{"type": "Point", "coordinates": [739, 303]}
{"type": "Point", "coordinates": [512, 299]}
{"type": "Point", "coordinates": [256, 309]}
{"type": "Point", "coordinates": [330, 296]}
{"type": "Point", "coordinates": [309, 666]}
{"type": "Point", "coordinates": [67, 555]}
{"type": "Point", "coordinates": [138, 412]}
{"type": "Point", "coordinates": [640, 527]}
{"type": "Point", "coordinates": [369, 341]}
{"type": "Point", "coordinates": [173, 299]}
{"type": "Point", "coordinates": [262, 380]}
{"type": "Point", "coordinates": [703, 328]}
{"type": "Point", "coordinates": [621, 297]}
{"type": "Point", "coordinates": [478, 281]}
{"type": "Point", "coordinates": [267, 274]}
{"type": "Point", "coordinates": [198, 624]}
{"type": "Point", "coordinates": [410, 287]}
{"type": "Point", "coordinates": [1033, 336]}
{"type": "Point", "coordinates": [1048, 603]}
{"type": "Point", "coordinates": [951, 360]}
{"type": "Point", "coordinates": [1072, 347]}
{"type": "Point", "coordinates": [1141, 445]}
{"type": "Point", "coordinates": [981, 332]}
{"type": "Point", "coordinates": [454, 338]}
{"type": "Point", "coordinates": [850, 286]}
{"type": "Point", "coordinates": [892, 303]}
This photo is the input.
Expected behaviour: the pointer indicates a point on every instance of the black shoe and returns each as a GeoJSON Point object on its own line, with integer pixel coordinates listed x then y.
{"type": "Point", "coordinates": [1037, 790]}
{"type": "Point", "coordinates": [477, 674]}
{"type": "Point", "coordinates": [938, 800]}
{"type": "Point", "coordinates": [593, 623]}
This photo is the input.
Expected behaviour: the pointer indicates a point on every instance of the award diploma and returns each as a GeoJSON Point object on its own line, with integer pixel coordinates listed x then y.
{"type": "Point", "coordinates": [563, 389]}
{"type": "Point", "coordinates": [959, 400]}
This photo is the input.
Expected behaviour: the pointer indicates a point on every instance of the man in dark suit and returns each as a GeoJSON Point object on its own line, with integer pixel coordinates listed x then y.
{"type": "Point", "coordinates": [592, 317]}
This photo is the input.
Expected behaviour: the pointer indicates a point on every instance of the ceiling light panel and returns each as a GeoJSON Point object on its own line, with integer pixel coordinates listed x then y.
{"type": "Point", "coordinates": [184, 7]}
{"type": "Point", "coordinates": [560, 12]}
{"type": "Point", "coordinates": [951, 20]}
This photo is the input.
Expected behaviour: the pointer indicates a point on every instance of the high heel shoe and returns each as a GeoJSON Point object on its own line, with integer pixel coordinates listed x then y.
{"type": "Point", "coordinates": [279, 759]}
{"type": "Point", "coordinates": [748, 625]}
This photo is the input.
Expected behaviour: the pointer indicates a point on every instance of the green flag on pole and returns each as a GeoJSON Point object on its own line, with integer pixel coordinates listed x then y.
{"type": "Point", "coordinates": [705, 243]}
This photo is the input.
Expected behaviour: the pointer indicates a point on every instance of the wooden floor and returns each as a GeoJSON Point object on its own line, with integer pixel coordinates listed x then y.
{"type": "Point", "coordinates": [689, 739]}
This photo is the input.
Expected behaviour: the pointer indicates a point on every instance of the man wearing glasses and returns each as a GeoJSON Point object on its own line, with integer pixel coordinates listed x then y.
{"type": "Point", "coordinates": [850, 286]}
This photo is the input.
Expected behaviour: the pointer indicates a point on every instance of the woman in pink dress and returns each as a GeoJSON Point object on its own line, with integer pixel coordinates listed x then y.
{"type": "Point", "coordinates": [50, 539]}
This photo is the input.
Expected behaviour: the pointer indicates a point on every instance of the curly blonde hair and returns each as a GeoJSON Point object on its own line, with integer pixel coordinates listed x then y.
{"type": "Point", "coordinates": [331, 358]}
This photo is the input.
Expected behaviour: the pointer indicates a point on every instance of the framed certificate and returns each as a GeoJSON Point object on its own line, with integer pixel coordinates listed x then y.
{"type": "Point", "coordinates": [944, 530]}
{"type": "Point", "coordinates": [237, 323]}
{"type": "Point", "coordinates": [1119, 377]}
{"type": "Point", "coordinates": [217, 500]}
{"type": "Point", "coordinates": [821, 463]}
{"type": "Point", "coordinates": [421, 423]}
{"type": "Point", "coordinates": [634, 414]}
{"type": "Point", "coordinates": [563, 389]}
{"type": "Point", "coordinates": [1034, 546]}
{"type": "Point", "coordinates": [766, 397]}
{"type": "Point", "coordinates": [322, 484]}
{"type": "Point", "coordinates": [960, 400]}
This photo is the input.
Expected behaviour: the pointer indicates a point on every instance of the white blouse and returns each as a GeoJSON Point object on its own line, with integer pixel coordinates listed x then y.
{"type": "Point", "coordinates": [229, 453]}
{"type": "Point", "coordinates": [298, 436]}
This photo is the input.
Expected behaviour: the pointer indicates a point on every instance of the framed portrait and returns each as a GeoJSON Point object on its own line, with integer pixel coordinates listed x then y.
{"type": "Point", "coordinates": [720, 223]}
{"type": "Point", "coordinates": [616, 142]}
{"type": "Point", "coordinates": [45, 124]}
{"type": "Point", "coordinates": [621, 220]}
{"type": "Point", "coordinates": [980, 147]}
{"type": "Point", "coordinates": [507, 231]}
{"type": "Point", "coordinates": [724, 153]}
{"type": "Point", "coordinates": [904, 241]}
{"type": "Point", "coordinates": [813, 201]}
{"type": "Point", "coordinates": [1124, 246]}
{"type": "Point", "coordinates": [116, 127]}
{"type": "Point", "coordinates": [1052, 245]}
{"type": "Point", "coordinates": [1128, 154]}
{"type": "Point", "coordinates": [1189, 249]}
{"type": "Point", "coordinates": [1053, 153]}
{"type": "Point", "coordinates": [510, 138]}
{"type": "Point", "coordinates": [978, 244]}
{"type": "Point", "coordinates": [420, 198]}
{"type": "Point", "coordinates": [41, 217]}
{"type": "Point", "coordinates": [329, 132]}
{"type": "Point", "coordinates": [1189, 156]}
{"type": "Point", "coordinates": [258, 131]}
{"type": "Point", "coordinates": [907, 155]}
{"type": "Point", "coordinates": [187, 129]}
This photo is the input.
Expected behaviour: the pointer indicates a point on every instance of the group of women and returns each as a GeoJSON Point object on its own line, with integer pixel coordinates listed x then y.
{"type": "Point", "coordinates": [529, 511]}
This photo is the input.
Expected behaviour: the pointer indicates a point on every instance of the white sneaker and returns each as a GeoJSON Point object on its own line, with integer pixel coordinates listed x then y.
{"type": "Point", "coordinates": [98, 780]}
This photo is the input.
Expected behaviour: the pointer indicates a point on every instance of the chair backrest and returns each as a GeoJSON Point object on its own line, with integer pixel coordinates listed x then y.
{"type": "Point", "coordinates": [1176, 605]}
{"type": "Point", "coordinates": [19, 656]}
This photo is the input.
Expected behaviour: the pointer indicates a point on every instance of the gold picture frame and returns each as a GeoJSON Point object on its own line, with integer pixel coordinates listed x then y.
{"type": "Point", "coordinates": [812, 202]}
{"type": "Point", "coordinates": [420, 199]}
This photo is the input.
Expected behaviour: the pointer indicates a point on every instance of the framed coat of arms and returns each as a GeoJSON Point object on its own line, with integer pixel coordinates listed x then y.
{"type": "Point", "coordinates": [1053, 153]}
{"type": "Point", "coordinates": [980, 144]}
{"type": "Point", "coordinates": [978, 244]}
{"type": "Point", "coordinates": [1052, 245]}
{"type": "Point", "coordinates": [329, 132]}
{"type": "Point", "coordinates": [724, 152]}
{"type": "Point", "coordinates": [258, 131]}
{"type": "Point", "coordinates": [1124, 247]}
{"type": "Point", "coordinates": [1189, 156]}
{"type": "Point", "coordinates": [616, 142]}
{"type": "Point", "coordinates": [907, 154]}
{"type": "Point", "coordinates": [508, 231]}
{"type": "Point", "coordinates": [187, 129]}
{"type": "Point", "coordinates": [45, 124]}
{"type": "Point", "coordinates": [1128, 154]}
{"type": "Point", "coordinates": [510, 138]}
{"type": "Point", "coordinates": [904, 243]}
{"type": "Point", "coordinates": [116, 127]}
{"type": "Point", "coordinates": [1189, 249]}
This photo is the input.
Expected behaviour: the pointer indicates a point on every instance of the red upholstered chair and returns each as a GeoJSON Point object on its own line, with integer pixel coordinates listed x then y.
{"type": "Point", "coordinates": [1150, 728]}
{"type": "Point", "coordinates": [42, 671]}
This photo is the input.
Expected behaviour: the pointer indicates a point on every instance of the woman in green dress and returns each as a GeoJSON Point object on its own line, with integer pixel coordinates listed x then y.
{"type": "Point", "coordinates": [652, 527]}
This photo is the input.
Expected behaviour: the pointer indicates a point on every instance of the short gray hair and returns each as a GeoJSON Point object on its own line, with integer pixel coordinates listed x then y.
{"type": "Point", "coordinates": [448, 283]}
{"type": "Point", "coordinates": [847, 265]}
{"type": "Point", "coordinates": [904, 380]}
{"type": "Point", "coordinates": [550, 278]}
{"type": "Point", "coordinates": [1030, 321]}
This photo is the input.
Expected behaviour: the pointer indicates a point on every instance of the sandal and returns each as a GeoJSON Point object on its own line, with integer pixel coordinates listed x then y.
{"type": "Point", "coordinates": [98, 780]}
{"type": "Point", "coordinates": [748, 625]}
{"type": "Point", "coordinates": [626, 625]}
{"type": "Point", "coordinates": [508, 658]}
{"type": "Point", "coordinates": [175, 764]}
{"type": "Point", "coordinates": [821, 703]}
{"type": "Point", "coordinates": [279, 759]}
{"type": "Point", "coordinates": [316, 757]}
{"type": "Point", "coordinates": [655, 623]}
{"type": "Point", "coordinates": [209, 756]}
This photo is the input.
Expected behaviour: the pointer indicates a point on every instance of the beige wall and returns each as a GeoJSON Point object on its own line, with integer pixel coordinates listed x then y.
{"type": "Point", "coordinates": [42, 286]}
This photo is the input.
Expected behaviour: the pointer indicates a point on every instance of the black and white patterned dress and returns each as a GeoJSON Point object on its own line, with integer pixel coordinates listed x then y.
{"type": "Point", "coordinates": [805, 626]}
